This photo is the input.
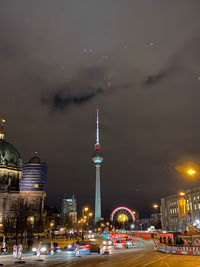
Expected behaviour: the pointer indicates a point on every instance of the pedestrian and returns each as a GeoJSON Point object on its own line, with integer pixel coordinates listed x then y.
{"type": "Point", "coordinates": [160, 239]}
{"type": "Point", "coordinates": [164, 239]}
{"type": "Point", "coordinates": [169, 241]}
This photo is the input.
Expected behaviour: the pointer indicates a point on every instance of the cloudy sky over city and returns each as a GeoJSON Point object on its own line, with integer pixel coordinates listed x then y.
{"type": "Point", "coordinates": [138, 61]}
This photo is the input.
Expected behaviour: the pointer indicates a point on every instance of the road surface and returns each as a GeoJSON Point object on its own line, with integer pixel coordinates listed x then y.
{"type": "Point", "coordinates": [142, 255]}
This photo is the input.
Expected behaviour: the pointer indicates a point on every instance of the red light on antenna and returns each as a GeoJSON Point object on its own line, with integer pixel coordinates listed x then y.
{"type": "Point", "coordinates": [97, 147]}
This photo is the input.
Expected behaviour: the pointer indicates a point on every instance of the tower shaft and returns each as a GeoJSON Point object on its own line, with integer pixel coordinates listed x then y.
{"type": "Point", "coordinates": [98, 195]}
{"type": "Point", "coordinates": [97, 159]}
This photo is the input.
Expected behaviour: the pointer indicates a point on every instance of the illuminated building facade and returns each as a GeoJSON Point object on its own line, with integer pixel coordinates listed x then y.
{"type": "Point", "coordinates": [69, 207]}
{"type": "Point", "coordinates": [19, 210]}
{"type": "Point", "coordinates": [33, 186]}
{"type": "Point", "coordinates": [97, 159]}
{"type": "Point", "coordinates": [34, 175]}
{"type": "Point", "coordinates": [179, 213]}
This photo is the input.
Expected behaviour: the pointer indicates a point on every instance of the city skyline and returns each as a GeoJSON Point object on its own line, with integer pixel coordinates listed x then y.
{"type": "Point", "coordinates": [57, 67]}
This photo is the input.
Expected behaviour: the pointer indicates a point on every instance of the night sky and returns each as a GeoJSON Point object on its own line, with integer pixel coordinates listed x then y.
{"type": "Point", "coordinates": [137, 60]}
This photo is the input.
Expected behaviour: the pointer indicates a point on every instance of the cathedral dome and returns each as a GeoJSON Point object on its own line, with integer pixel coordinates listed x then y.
{"type": "Point", "coordinates": [9, 155]}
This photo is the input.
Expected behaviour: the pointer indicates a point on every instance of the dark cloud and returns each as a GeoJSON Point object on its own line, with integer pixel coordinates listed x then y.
{"type": "Point", "coordinates": [162, 75]}
{"type": "Point", "coordinates": [61, 101]}
{"type": "Point", "coordinates": [151, 80]}
{"type": "Point", "coordinates": [183, 59]}
{"type": "Point", "coordinates": [87, 84]}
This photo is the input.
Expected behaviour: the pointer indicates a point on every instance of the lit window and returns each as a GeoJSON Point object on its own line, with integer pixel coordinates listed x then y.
{"type": "Point", "coordinates": [36, 185]}
{"type": "Point", "coordinates": [197, 197]}
{"type": "Point", "coordinates": [194, 198]}
{"type": "Point", "coordinates": [199, 206]}
{"type": "Point", "coordinates": [195, 206]}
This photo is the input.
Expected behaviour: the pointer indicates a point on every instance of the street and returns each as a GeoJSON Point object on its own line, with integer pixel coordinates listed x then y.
{"type": "Point", "coordinates": [141, 255]}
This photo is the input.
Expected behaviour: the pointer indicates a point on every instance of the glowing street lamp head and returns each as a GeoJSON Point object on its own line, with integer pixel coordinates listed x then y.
{"type": "Point", "coordinates": [191, 172]}
{"type": "Point", "coordinates": [155, 206]}
{"type": "Point", "coordinates": [182, 194]}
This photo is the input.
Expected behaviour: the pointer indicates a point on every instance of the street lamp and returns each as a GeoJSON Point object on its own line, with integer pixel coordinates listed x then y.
{"type": "Point", "coordinates": [155, 206]}
{"type": "Point", "coordinates": [51, 225]}
{"type": "Point", "coordinates": [191, 172]}
{"type": "Point", "coordinates": [181, 194]}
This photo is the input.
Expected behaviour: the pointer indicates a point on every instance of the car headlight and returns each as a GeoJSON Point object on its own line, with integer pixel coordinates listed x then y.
{"type": "Point", "coordinates": [34, 249]}
{"type": "Point", "coordinates": [104, 242]}
{"type": "Point", "coordinates": [109, 242]}
{"type": "Point", "coordinates": [69, 246]}
{"type": "Point", "coordinates": [43, 249]}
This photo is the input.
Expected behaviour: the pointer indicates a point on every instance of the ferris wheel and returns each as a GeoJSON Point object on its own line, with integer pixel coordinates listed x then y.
{"type": "Point", "coordinates": [122, 214]}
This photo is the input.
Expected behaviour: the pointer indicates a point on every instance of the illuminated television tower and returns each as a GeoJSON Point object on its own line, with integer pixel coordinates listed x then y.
{"type": "Point", "coordinates": [97, 159]}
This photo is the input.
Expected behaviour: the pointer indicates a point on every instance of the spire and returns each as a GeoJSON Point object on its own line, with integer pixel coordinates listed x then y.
{"type": "Point", "coordinates": [2, 123]}
{"type": "Point", "coordinates": [97, 131]}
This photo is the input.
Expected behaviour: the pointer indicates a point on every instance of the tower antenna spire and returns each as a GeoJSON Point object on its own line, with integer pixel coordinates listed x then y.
{"type": "Point", "coordinates": [2, 123]}
{"type": "Point", "coordinates": [97, 130]}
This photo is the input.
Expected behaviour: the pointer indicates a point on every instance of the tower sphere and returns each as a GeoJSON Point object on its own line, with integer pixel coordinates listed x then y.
{"type": "Point", "coordinates": [97, 156]}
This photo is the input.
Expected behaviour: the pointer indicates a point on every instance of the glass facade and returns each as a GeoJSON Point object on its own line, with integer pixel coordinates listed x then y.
{"type": "Point", "coordinates": [34, 177]}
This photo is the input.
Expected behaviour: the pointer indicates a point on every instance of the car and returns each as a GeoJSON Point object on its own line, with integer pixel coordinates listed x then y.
{"type": "Point", "coordinates": [46, 248]}
{"type": "Point", "coordinates": [107, 243]}
{"type": "Point", "coordinates": [94, 247]}
{"type": "Point", "coordinates": [129, 243]}
{"type": "Point", "coordinates": [84, 246]}
{"type": "Point", "coordinates": [119, 244]}
{"type": "Point", "coordinates": [69, 247]}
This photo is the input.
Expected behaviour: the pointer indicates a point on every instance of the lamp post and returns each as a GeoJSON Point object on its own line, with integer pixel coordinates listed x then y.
{"type": "Point", "coordinates": [51, 226]}
{"type": "Point", "coordinates": [159, 217]}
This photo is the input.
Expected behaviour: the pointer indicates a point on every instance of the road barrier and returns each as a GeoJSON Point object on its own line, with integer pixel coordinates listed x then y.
{"type": "Point", "coordinates": [179, 250]}
{"type": "Point", "coordinates": [14, 252]}
{"type": "Point", "coordinates": [38, 254]}
{"type": "Point", "coordinates": [156, 245]}
{"type": "Point", "coordinates": [101, 250]}
{"type": "Point", "coordinates": [76, 251]}
{"type": "Point", "coordinates": [52, 249]}
{"type": "Point", "coordinates": [19, 255]}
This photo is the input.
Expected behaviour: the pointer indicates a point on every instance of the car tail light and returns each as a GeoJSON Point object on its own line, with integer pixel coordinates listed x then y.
{"type": "Point", "coordinates": [87, 245]}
